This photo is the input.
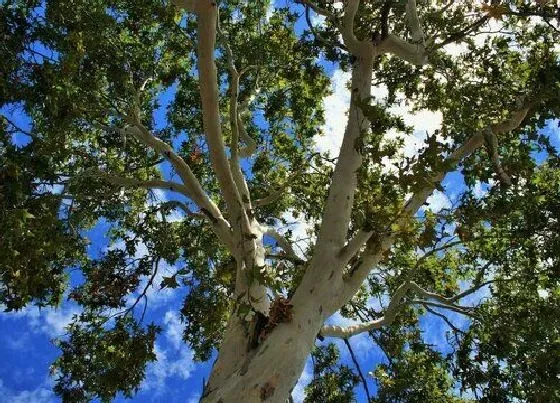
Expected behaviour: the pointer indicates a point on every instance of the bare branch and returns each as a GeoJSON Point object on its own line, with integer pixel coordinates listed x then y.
{"type": "Point", "coordinates": [395, 306]}
{"type": "Point", "coordinates": [183, 206]}
{"type": "Point", "coordinates": [354, 246]}
{"type": "Point", "coordinates": [236, 171]}
{"type": "Point", "coordinates": [16, 127]}
{"type": "Point", "coordinates": [272, 197]}
{"type": "Point", "coordinates": [444, 318]}
{"type": "Point", "coordinates": [353, 356]}
{"type": "Point", "coordinates": [492, 147]}
{"type": "Point", "coordinates": [451, 307]}
{"type": "Point", "coordinates": [457, 36]}
{"type": "Point", "coordinates": [283, 243]}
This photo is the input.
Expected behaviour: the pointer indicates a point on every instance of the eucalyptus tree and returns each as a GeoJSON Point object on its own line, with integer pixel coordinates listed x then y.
{"type": "Point", "coordinates": [236, 159]}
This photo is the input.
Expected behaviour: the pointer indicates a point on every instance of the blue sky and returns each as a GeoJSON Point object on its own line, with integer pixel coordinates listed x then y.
{"type": "Point", "coordinates": [25, 337]}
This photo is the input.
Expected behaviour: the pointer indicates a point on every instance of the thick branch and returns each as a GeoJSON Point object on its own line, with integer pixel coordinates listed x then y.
{"type": "Point", "coordinates": [211, 116]}
{"type": "Point", "coordinates": [336, 216]}
{"type": "Point", "coordinates": [356, 47]}
{"type": "Point", "coordinates": [354, 246]}
{"type": "Point", "coordinates": [413, 52]}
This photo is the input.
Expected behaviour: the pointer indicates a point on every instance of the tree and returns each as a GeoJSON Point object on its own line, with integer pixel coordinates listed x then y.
{"type": "Point", "coordinates": [236, 152]}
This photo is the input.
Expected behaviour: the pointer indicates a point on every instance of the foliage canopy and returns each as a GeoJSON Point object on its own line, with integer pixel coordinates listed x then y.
{"type": "Point", "coordinates": [91, 77]}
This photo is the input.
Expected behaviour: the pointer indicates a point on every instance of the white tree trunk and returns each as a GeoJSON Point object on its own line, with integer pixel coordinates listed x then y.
{"type": "Point", "coordinates": [270, 371]}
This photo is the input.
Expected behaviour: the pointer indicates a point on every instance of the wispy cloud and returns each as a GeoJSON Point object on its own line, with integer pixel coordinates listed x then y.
{"type": "Point", "coordinates": [50, 321]}
{"type": "Point", "coordinates": [174, 329]}
{"type": "Point", "coordinates": [42, 394]}
{"type": "Point", "coordinates": [174, 358]}
{"type": "Point", "coordinates": [167, 367]}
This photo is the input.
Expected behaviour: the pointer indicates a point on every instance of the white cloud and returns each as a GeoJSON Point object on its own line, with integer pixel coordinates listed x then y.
{"type": "Point", "coordinates": [42, 394]}
{"type": "Point", "coordinates": [176, 360]}
{"type": "Point", "coordinates": [174, 330]}
{"type": "Point", "coordinates": [300, 229]}
{"type": "Point", "coordinates": [170, 363]}
{"type": "Point", "coordinates": [270, 10]}
{"type": "Point", "coordinates": [318, 20]}
{"type": "Point", "coordinates": [50, 321]}
{"type": "Point", "coordinates": [336, 107]}
{"type": "Point", "coordinates": [56, 320]}
{"type": "Point", "coordinates": [437, 202]}
{"type": "Point", "coordinates": [479, 191]}
{"type": "Point", "coordinates": [194, 398]}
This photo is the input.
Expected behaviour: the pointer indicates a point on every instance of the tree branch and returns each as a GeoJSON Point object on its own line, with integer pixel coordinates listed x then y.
{"type": "Point", "coordinates": [457, 36]}
{"type": "Point", "coordinates": [283, 243]}
{"type": "Point", "coordinates": [356, 47]}
{"type": "Point", "coordinates": [394, 307]}
{"type": "Point", "coordinates": [147, 184]}
{"type": "Point", "coordinates": [272, 196]}
{"type": "Point", "coordinates": [319, 10]}
{"type": "Point", "coordinates": [171, 204]}
{"type": "Point", "coordinates": [235, 123]}
{"type": "Point", "coordinates": [415, 51]}
{"type": "Point", "coordinates": [353, 356]}
{"type": "Point", "coordinates": [207, 28]}
{"type": "Point", "coordinates": [354, 245]}
{"type": "Point", "coordinates": [444, 318]}
{"type": "Point", "coordinates": [492, 147]}
{"type": "Point", "coordinates": [192, 187]}
{"type": "Point", "coordinates": [338, 208]}
{"type": "Point", "coordinates": [451, 307]}
{"type": "Point", "coordinates": [376, 247]}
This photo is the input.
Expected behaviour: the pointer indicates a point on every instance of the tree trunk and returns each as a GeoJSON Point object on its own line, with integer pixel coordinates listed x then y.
{"type": "Point", "coordinates": [270, 371]}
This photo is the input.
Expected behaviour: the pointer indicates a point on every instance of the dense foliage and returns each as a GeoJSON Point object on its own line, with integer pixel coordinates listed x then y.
{"type": "Point", "coordinates": [78, 71]}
